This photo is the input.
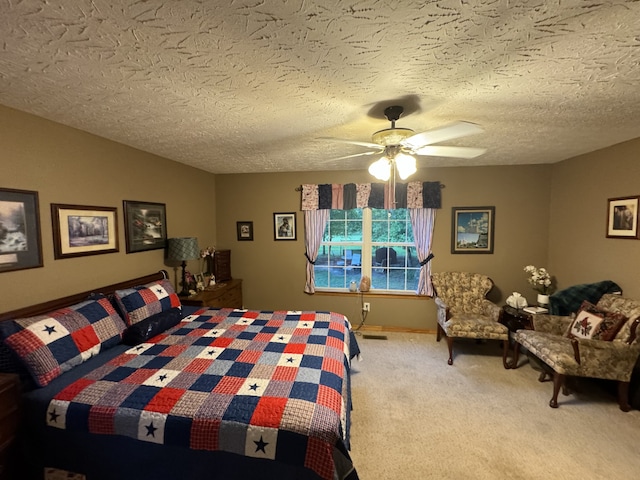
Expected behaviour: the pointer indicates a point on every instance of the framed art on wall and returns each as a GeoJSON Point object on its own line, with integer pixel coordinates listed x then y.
{"type": "Point", "coordinates": [244, 231]}
{"type": "Point", "coordinates": [284, 226]}
{"type": "Point", "coordinates": [622, 217]}
{"type": "Point", "coordinates": [145, 225]}
{"type": "Point", "coordinates": [80, 230]}
{"type": "Point", "coordinates": [20, 240]}
{"type": "Point", "coordinates": [472, 229]}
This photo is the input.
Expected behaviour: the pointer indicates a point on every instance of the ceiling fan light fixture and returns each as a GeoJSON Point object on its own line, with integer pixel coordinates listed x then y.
{"type": "Point", "coordinates": [406, 165]}
{"type": "Point", "coordinates": [381, 169]}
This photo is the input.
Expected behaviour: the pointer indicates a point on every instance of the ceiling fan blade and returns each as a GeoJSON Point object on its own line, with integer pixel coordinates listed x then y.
{"type": "Point", "coordinates": [441, 134]}
{"type": "Point", "coordinates": [356, 155]}
{"type": "Point", "coordinates": [353, 142]}
{"type": "Point", "coordinates": [443, 151]}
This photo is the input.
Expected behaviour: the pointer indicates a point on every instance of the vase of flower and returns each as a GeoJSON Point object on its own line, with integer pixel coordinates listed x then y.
{"type": "Point", "coordinates": [543, 300]}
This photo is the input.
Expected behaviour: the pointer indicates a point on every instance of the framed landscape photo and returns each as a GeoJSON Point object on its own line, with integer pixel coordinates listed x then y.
{"type": "Point", "coordinates": [145, 225]}
{"type": "Point", "coordinates": [622, 217]}
{"type": "Point", "coordinates": [244, 231]}
{"type": "Point", "coordinates": [80, 230]}
{"type": "Point", "coordinates": [284, 226]}
{"type": "Point", "coordinates": [472, 229]}
{"type": "Point", "coordinates": [20, 240]}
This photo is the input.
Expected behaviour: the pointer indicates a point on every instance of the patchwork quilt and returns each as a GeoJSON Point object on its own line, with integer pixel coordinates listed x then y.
{"type": "Point", "coordinates": [266, 384]}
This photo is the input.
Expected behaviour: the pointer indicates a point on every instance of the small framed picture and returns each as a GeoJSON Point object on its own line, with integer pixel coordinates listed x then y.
{"type": "Point", "coordinates": [20, 240]}
{"type": "Point", "coordinates": [80, 230]}
{"type": "Point", "coordinates": [472, 229]}
{"type": "Point", "coordinates": [622, 217]}
{"type": "Point", "coordinates": [145, 225]}
{"type": "Point", "coordinates": [244, 231]}
{"type": "Point", "coordinates": [284, 226]}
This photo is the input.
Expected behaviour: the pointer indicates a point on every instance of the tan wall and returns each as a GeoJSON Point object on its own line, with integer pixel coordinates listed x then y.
{"type": "Point", "coordinates": [579, 250]}
{"type": "Point", "coordinates": [273, 271]}
{"type": "Point", "coordinates": [65, 165]}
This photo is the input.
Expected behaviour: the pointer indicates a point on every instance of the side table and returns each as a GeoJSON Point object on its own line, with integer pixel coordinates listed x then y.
{"type": "Point", "coordinates": [222, 295]}
{"type": "Point", "coordinates": [515, 319]}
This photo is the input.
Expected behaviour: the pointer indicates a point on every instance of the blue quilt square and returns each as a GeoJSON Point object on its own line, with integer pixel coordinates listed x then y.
{"type": "Point", "coordinates": [316, 339]}
{"type": "Point", "coordinates": [331, 380]}
{"type": "Point", "coordinates": [93, 311]}
{"type": "Point", "coordinates": [205, 383]}
{"type": "Point", "coordinates": [204, 341]}
{"type": "Point", "coordinates": [157, 363]}
{"type": "Point", "coordinates": [311, 361]}
{"type": "Point", "coordinates": [320, 324]}
{"type": "Point", "coordinates": [229, 354]}
{"type": "Point", "coordinates": [64, 349]}
{"type": "Point", "coordinates": [274, 347]}
{"type": "Point", "coordinates": [140, 397]}
{"type": "Point", "coordinates": [247, 335]}
{"type": "Point", "coordinates": [304, 391]}
{"type": "Point", "coordinates": [241, 409]}
{"type": "Point", "coordinates": [269, 329]}
{"type": "Point", "coordinates": [240, 369]}
{"type": "Point", "coordinates": [178, 429]}
{"type": "Point", "coordinates": [77, 417]}
{"type": "Point", "coordinates": [336, 334]}
{"type": "Point", "coordinates": [156, 349]}
{"type": "Point", "coordinates": [260, 322]}
{"type": "Point", "coordinates": [292, 448]}
{"type": "Point", "coordinates": [236, 314]}
{"type": "Point", "coordinates": [119, 374]}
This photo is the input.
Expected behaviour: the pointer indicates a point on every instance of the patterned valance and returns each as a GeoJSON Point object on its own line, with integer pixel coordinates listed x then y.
{"type": "Point", "coordinates": [337, 196]}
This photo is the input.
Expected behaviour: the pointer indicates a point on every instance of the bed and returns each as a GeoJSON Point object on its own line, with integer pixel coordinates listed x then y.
{"type": "Point", "coordinates": [195, 393]}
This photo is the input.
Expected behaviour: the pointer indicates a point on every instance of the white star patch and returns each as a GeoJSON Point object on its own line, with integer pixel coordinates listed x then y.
{"type": "Point", "coordinates": [161, 378]}
{"type": "Point", "coordinates": [261, 442]}
{"type": "Point", "coordinates": [290, 360]}
{"type": "Point", "coordinates": [151, 426]}
{"type": "Point", "coordinates": [253, 387]}
{"type": "Point", "coordinates": [57, 414]}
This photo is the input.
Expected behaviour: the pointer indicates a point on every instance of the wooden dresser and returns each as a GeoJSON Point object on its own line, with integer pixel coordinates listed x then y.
{"type": "Point", "coordinates": [226, 294]}
{"type": "Point", "coordinates": [222, 265]}
{"type": "Point", "coordinates": [9, 418]}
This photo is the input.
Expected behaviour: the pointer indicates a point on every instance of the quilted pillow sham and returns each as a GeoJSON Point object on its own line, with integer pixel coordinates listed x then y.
{"type": "Point", "coordinates": [592, 322]}
{"type": "Point", "coordinates": [150, 327]}
{"type": "Point", "coordinates": [138, 303]}
{"type": "Point", "coordinates": [51, 344]}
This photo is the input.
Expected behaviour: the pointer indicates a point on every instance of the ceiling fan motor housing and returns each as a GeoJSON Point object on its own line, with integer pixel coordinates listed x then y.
{"type": "Point", "coordinates": [391, 136]}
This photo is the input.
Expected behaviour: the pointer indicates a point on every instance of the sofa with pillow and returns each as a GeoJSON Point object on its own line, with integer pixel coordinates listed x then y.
{"type": "Point", "coordinates": [599, 341]}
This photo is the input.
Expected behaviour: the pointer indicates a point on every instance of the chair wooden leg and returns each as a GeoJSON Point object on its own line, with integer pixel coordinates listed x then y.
{"type": "Point", "coordinates": [558, 381]}
{"type": "Point", "coordinates": [505, 353]}
{"type": "Point", "coordinates": [450, 346]}
{"type": "Point", "coordinates": [516, 355]}
{"type": "Point", "coordinates": [623, 396]}
{"type": "Point", "coordinates": [439, 332]}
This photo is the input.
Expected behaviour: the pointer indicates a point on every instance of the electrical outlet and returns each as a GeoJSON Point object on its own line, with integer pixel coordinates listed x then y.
{"type": "Point", "coordinates": [366, 307]}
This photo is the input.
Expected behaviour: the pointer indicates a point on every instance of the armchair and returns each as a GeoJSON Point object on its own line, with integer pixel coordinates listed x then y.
{"type": "Point", "coordinates": [464, 312]}
{"type": "Point", "coordinates": [612, 356]}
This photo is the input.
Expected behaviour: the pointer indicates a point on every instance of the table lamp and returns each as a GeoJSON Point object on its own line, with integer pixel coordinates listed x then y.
{"type": "Point", "coordinates": [182, 249]}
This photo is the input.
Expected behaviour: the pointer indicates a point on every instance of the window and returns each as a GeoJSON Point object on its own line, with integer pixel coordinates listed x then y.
{"type": "Point", "coordinates": [372, 242]}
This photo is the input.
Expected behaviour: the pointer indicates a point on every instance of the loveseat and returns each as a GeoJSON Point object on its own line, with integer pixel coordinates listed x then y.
{"type": "Point", "coordinates": [600, 341]}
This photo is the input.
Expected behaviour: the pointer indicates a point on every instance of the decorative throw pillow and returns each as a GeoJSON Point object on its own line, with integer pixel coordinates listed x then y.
{"type": "Point", "coordinates": [51, 344]}
{"type": "Point", "coordinates": [141, 302]}
{"type": "Point", "coordinates": [150, 327]}
{"type": "Point", "coordinates": [592, 322]}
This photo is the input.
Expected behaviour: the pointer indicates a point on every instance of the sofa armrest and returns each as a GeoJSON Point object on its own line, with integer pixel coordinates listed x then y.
{"type": "Point", "coordinates": [442, 309]}
{"type": "Point", "coordinates": [555, 324]}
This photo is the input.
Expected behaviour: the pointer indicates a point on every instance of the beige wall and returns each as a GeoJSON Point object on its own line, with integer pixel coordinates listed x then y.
{"type": "Point", "coordinates": [273, 272]}
{"type": "Point", "coordinates": [65, 165]}
{"type": "Point", "coordinates": [579, 249]}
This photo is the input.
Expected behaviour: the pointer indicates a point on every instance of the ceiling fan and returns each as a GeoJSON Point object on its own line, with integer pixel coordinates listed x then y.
{"type": "Point", "coordinates": [399, 145]}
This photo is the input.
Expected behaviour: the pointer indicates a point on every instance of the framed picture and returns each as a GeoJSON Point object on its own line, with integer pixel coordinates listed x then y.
{"type": "Point", "coordinates": [472, 229]}
{"type": "Point", "coordinates": [245, 231]}
{"type": "Point", "coordinates": [622, 217]}
{"type": "Point", "coordinates": [284, 226]}
{"type": "Point", "coordinates": [80, 230]}
{"type": "Point", "coordinates": [145, 225]}
{"type": "Point", "coordinates": [20, 240]}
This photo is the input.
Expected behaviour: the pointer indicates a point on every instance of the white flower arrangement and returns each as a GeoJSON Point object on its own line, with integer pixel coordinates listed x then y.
{"type": "Point", "coordinates": [539, 278]}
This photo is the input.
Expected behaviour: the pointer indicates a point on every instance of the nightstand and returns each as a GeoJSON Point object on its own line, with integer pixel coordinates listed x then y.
{"type": "Point", "coordinates": [516, 319]}
{"type": "Point", "coordinates": [9, 419]}
{"type": "Point", "coordinates": [222, 295]}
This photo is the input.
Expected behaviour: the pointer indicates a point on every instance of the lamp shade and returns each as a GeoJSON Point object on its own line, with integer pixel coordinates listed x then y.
{"type": "Point", "coordinates": [183, 248]}
{"type": "Point", "coordinates": [381, 169]}
{"type": "Point", "coordinates": [406, 165]}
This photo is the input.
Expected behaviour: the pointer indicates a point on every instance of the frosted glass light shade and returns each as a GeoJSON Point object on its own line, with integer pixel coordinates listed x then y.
{"type": "Point", "coordinates": [381, 169]}
{"type": "Point", "coordinates": [406, 165]}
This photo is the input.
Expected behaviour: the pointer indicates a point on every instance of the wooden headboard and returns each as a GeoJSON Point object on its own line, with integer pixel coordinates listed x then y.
{"type": "Point", "coordinates": [46, 307]}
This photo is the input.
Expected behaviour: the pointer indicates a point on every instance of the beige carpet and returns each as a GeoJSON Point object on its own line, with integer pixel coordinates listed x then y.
{"type": "Point", "coordinates": [415, 417]}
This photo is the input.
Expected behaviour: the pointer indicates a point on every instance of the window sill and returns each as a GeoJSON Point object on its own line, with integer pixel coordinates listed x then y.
{"type": "Point", "coordinates": [386, 294]}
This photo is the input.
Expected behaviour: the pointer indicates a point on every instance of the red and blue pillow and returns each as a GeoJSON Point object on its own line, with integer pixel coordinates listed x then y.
{"type": "Point", "coordinates": [138, 303]}
{"type": "Point", "coordinates": [49, 345]}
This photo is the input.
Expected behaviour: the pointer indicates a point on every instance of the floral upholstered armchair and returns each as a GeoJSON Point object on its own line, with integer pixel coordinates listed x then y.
{"type": "Point", "coordinates": [464, 311]}
{"type": "Point", "coordinates": [599, 341]}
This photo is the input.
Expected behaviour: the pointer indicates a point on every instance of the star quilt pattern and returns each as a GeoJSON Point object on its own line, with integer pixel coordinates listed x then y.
{"type": "Point", "coordinates": [267, 384]}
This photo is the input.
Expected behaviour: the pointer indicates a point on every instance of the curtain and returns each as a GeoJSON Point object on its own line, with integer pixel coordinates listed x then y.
{"type": "Point", "coordinates": [422, 222]}
{"type": "Point", "coordinates": [315, 222]}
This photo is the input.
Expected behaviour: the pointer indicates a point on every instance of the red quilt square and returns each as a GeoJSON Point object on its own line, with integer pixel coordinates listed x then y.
{"type": "Point", "coordinates": [319, 458]}
{"type": "Point", "coordinates": [295, 348]}
{"type": "Point", "coordinates": [101, 419]}
{"type": "Point", "coordinates": [205, 434]}
{"type": "Point", "coordinates": [307, 316]}
{"type": "Point", "coordinates": [139, 376]}
{"type": "Point", "coordinates": [334, 366]}
{"type": "Point", "coordinates": [164, 400]}
{"type": "Point", "coordinates": [250, 314]}
{"type": "Point", "coordinates": [329, 398]}
{"type": "Point", "coordinates": [285, 373]}
{"type": "Point", "coordinates": [85, 338]}
{"type": "Point", "coordinates": [222, 342]}
{"type": "Point", "coordinates": [70, 392]}
{"type": "Point", "coordinates": [229, 385]}
{"type": "Point", "coordinates": [249, 356]}
{"type": "Point", "coordinates": [198, 365]}
{"type": "Point", "coordinates": [268, 412]}
{"type": "Point", "coordinates": [174, 350]}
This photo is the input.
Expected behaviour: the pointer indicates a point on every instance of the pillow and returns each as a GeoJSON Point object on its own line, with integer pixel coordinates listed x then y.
{"type": "Point", "coordinates": [141, 302]}
{"type": "Point", "coordinates": [150, 327]}
{"type": "Point", "coordinates": [49, 345]}
{"type": "Point", "coordinates": [592, 322]}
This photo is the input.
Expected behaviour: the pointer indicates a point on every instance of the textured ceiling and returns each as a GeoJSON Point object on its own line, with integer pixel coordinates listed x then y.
{"type": "Point", "coordinates": [251, 86]}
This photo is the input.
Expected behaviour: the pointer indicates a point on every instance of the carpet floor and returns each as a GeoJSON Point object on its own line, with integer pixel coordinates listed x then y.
{"type": "Point", "coordinates": [415, 417]}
